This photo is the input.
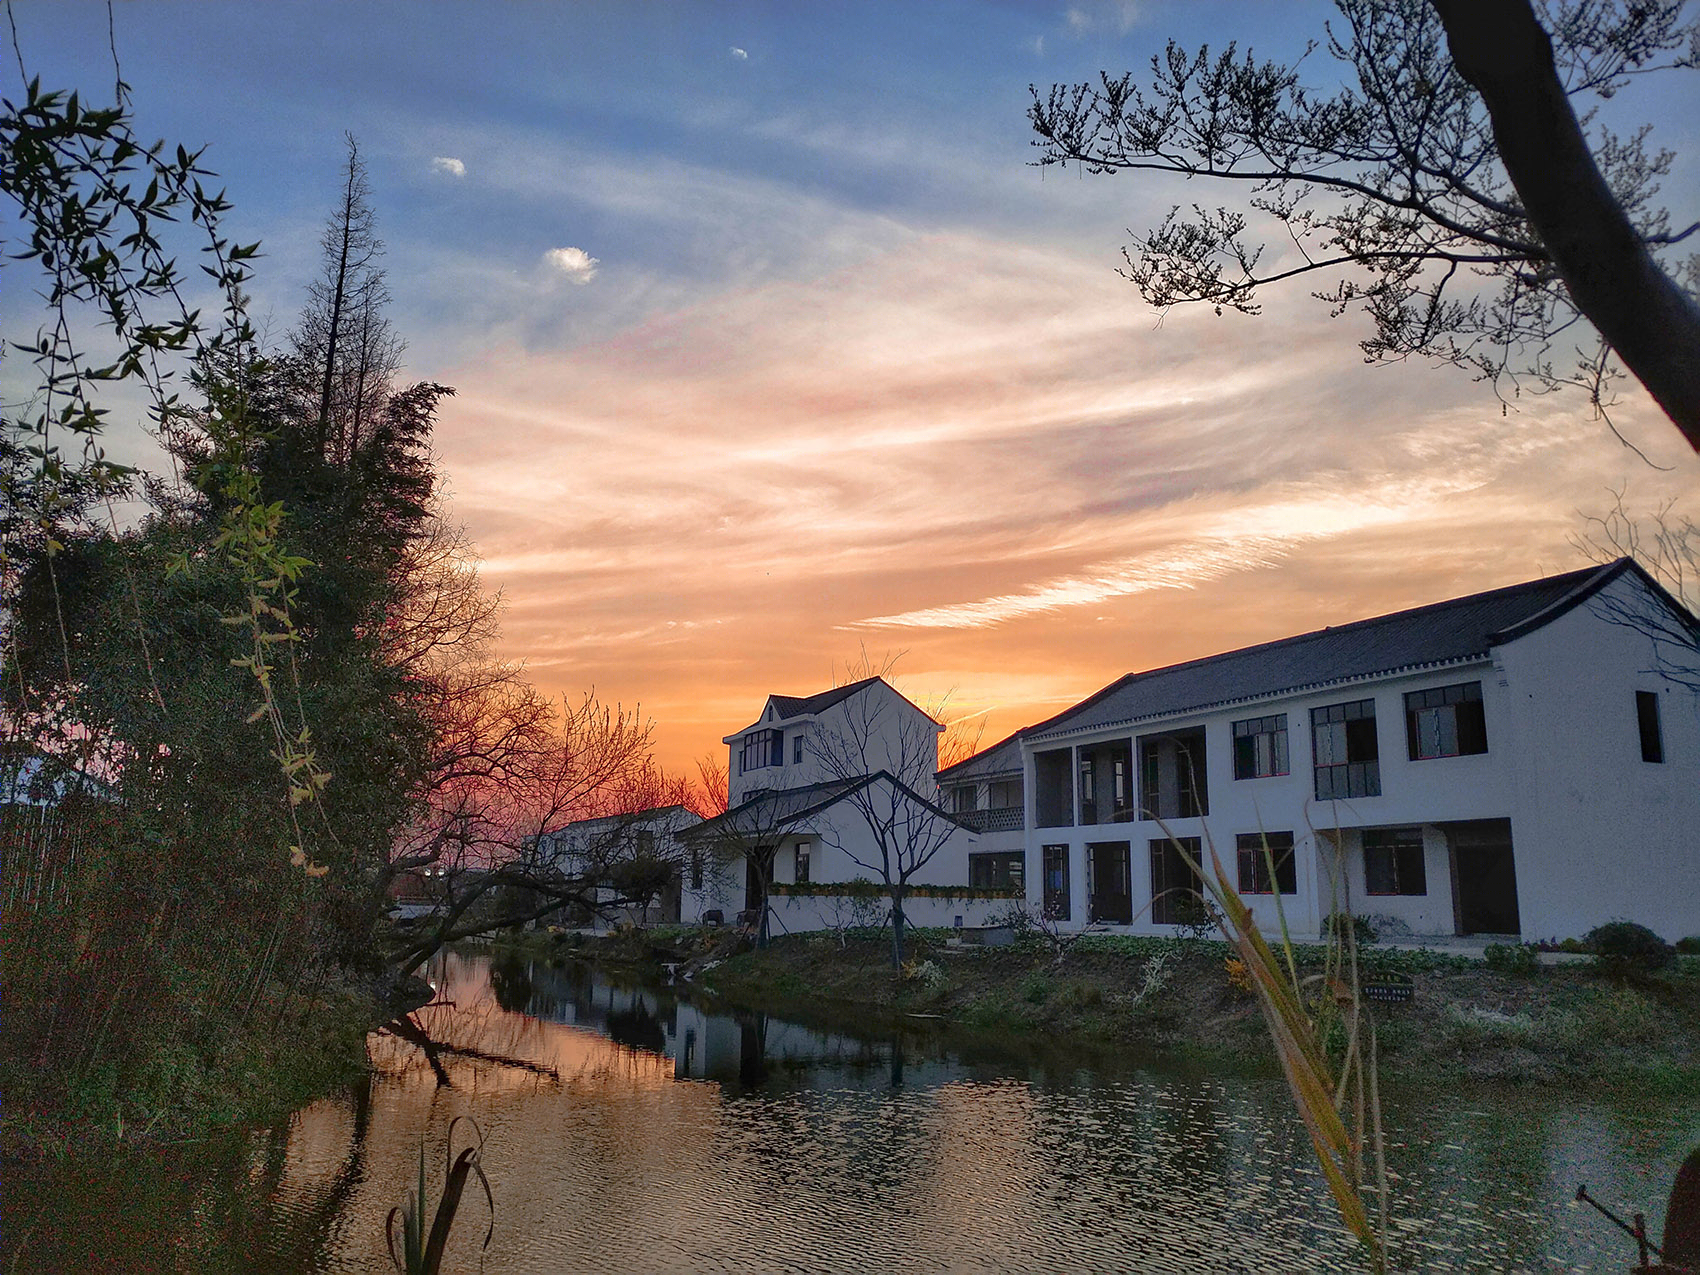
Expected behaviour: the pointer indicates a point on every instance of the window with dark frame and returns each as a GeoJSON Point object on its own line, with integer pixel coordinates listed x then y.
{"type": "Point", "coordinates": [998, 870]}
{"type": "Point", "coordinates": [762, 748]}
{"type": "Point", "coordinates": [1445, 721]}
{"type": "Point", "coordinates": [1256, 849]}
{"type": "Point", "coordinates": [1393, 861]}
{"type": "Point", "coordinates": [963, 800]}
{"type": "Point", "coordinates": [1056, 883]}
{"type": "Point", "coordinates": [1260, 747]}
{"type": "Point", "coordinates": [1647, 718]}
{"type": "Point", "coordinates": [696, 869]}
{"type": "Point", "coordinates": [797, 748]}
{"type": "Point", "coordinates": [801, 877]}
{"type": "Point", "coordinates": [1346, 751]}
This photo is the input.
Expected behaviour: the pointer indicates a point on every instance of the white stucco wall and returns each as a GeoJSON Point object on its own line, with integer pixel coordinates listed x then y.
{"type": "Point", "coordinates": [1597, 833]}
{"type": "Point", "coordinates": [1601, 834]}
{"type": "Point", "coordinates": [839, 836]}
{"type": "Point", "coordinates": [884, 730]}
{"type": "Point", "coordinates": [1414, 793]}
{"type": "Point", "coordinates": [793, 915]}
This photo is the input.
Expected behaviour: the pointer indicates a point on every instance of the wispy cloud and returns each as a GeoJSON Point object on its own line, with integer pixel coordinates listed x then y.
{"type": "Point", "coordinates": [1261, 536]}
{"type": "Point", "coordinates": [448, 164]}
{"type": "Point", "coordinates": [984, 453]}
{"type": "Point", "coordinates": [741, 54]}
{"type": "Point", "coordinates": [1119, 16]}
{"type": "Point", "coordinates": [1184, 567]}
{"type": "Point", "coordinates": [575, 263]}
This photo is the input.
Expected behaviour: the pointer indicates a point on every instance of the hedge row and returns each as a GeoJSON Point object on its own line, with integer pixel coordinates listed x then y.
{"type": "Point", "coordinates": [860, 889]}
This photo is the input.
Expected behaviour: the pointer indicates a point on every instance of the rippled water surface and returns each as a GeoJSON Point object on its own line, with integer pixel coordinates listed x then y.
{"type": "Point", "coordinates": [627, 1130]}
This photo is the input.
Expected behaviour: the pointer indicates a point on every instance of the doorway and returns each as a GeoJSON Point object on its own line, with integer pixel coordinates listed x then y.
{"type": "Point", "coordinates": [1176, 888]}
{"type": "Point", "coordinates": [1484, 877]}
{"type": "Point", "coordinates": [1109, 883]}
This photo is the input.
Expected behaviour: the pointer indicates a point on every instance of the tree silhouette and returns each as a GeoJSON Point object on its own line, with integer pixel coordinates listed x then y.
{"type": "Point", "coordinates": [1448, 191]}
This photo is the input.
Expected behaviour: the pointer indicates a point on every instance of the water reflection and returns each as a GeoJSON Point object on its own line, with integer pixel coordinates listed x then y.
{"type": "Point", "coordinates": [629, 1128]}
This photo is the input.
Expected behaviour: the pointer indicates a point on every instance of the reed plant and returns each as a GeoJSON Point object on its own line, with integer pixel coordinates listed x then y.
{"type": "Point", "coordinates": [421, 1251]}
{"type": "Point", "coordinates": [1325, 1039]}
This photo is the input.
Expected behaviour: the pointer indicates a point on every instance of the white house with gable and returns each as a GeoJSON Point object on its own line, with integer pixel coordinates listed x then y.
{"type": "Point", "coordinates": [643, 872]}
{"type": "Point", "coordinates": [835, 788]}
{"type": "Point", "coordinates": [1523, 762]}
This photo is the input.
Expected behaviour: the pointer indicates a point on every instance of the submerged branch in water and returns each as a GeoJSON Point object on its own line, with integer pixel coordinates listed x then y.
{"type": "Point", "coordinates": [406, 1028]}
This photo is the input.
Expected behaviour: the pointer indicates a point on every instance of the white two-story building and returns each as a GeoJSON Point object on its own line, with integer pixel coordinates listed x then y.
{"type": "Point", "coordinates": [830, 789]}
{"type": "Point", "coordinates": [1517, 762]}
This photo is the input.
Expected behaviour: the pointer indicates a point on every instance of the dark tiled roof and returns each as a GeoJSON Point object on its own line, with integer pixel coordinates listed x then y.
{"type": "Point", "coordinates": [771, 812]}
{"type": "Point", "coordinates": [630, 818]}
{"type": "Point", "coordinates": [1440, 633]}
{"type": "Point", "coordinates": [772, 809]}
{"type": "Point", "coordinates": [799, 705]}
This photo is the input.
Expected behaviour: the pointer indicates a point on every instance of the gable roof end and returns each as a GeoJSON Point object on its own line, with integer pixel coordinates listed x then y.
{"type": "Point", "coordinates": [804, 705]}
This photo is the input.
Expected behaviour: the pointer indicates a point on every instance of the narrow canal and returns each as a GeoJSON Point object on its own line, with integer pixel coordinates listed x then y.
{"type": "Point", "coordinates": [628, 1129]}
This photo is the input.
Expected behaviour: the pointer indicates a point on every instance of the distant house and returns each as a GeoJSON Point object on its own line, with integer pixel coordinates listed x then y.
{"type": "Point", "coordinates": [643, 872]}
{"type": "Point", "coordinates": [1521, 762]}
{"type": "Point", "coordinates": [29, 777]}
{"type": "Point", "coordinates": [827, 790]}
{"type": "Point", "coordinates": [985, 793]}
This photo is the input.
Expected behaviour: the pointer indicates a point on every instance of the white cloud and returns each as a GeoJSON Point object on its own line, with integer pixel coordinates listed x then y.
{"type": "Point", "coordinates": [577, 264]}
{"type": "Point", "coordinates": [1183, 567]}
{"type": "Point", "coordinates": [448, 164]}
{"type": "Point", "coordinates": [1118, 16]}
{"type": "Point", "coordinates": [741, 54]}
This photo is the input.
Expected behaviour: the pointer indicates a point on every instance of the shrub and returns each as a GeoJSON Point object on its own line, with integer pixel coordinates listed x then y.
{"type": "Point", "coordinates": [1511, 958]}
{"type": "Point", "coordinates": [1362, 930]}
{"type": "Point", "coordinates": [1017, 917]}
{"type": "Point", "coordinates": [1573, 945]}
{"type": "Point", "coordinates": [1196, 916]}
{"type": "Point", "coordinates": [1622, 946]}
{"type": "Point", "coordinates": [926, 973]}
{"type": "Point", "coordinates": [1154, 979]}
{"type": "Point", "coordinates": [1689, 946]}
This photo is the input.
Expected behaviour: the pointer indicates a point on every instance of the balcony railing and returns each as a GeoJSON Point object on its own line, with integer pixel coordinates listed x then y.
{"type": "Point", "coordinates": [1003, 819]}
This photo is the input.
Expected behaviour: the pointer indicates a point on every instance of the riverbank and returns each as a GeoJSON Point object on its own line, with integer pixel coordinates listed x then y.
{"type": "Point", "coordinates": [1464, 1019]}
{"type": "Point", "coordinates": [293, 1049]}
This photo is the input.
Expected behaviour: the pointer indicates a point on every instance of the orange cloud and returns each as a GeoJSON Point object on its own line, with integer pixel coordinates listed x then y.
{"type": "Point", "coordinates": [986, 454]}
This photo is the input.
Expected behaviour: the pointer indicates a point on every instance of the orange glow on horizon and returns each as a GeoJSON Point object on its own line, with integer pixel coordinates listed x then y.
{"type": "Point", "coordinates": [988, 460]}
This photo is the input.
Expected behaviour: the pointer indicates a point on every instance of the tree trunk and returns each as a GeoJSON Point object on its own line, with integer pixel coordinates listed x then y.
{"type": "Point", "coordinates": [331, 339]}
{"type": "Point", "coordinates": [764, 878]}
{"type": "Point", "coordinates": [897, 923]}
{"type": "Point", "coordinates": [1500, 48]}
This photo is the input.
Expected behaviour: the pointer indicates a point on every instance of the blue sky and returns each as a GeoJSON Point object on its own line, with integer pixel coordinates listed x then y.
{"type": "Point", "coordinates": [771, 345]}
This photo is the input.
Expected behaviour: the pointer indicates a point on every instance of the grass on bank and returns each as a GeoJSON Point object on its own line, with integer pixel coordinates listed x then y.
{"type": "Point", "coordinates": [186, 1088]}
{"type": "Point", "coordinates": [1464, 1019]}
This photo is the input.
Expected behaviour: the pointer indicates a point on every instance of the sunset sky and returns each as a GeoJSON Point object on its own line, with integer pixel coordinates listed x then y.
{"type": "Point", "coordinates": [773, 347]}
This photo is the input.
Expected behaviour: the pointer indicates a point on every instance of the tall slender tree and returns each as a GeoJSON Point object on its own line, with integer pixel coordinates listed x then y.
{"type": "Point", "coordinates": [344, 337]}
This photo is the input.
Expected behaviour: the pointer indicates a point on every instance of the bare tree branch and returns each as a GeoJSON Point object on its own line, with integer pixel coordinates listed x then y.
{"type": "Point", "coordinates": [1455, 146]}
